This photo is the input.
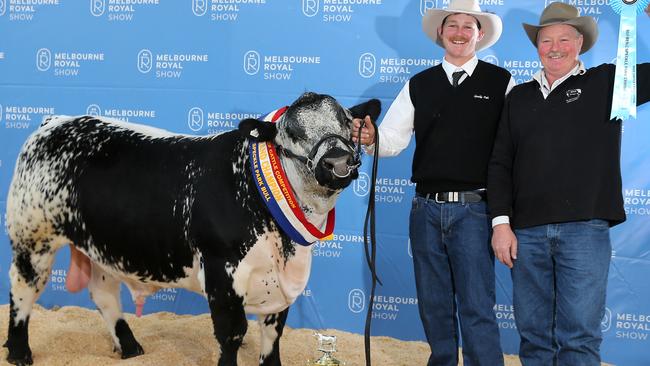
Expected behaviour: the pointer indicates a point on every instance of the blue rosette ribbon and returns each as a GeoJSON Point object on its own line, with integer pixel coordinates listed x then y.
{"type": "Point", "coordinates": [624, 101]}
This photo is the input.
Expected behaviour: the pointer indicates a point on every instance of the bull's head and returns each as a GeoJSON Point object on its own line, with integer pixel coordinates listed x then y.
{"type": "Point", "coordinates": [316, 132]}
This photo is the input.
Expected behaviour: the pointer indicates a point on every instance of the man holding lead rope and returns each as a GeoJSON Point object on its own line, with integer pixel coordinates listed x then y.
{"type": "Point", "coordinates": [453, 110]}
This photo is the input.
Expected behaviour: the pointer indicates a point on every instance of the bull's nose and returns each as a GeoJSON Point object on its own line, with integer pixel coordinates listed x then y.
{"type": "Point", "coordinates": [339, 165]}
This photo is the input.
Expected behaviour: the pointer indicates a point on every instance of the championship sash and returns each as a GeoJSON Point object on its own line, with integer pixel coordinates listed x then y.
{"type": "Point", "coordinates": [275, 190]}
{"type": "Point", "coordinates": [624, 100]}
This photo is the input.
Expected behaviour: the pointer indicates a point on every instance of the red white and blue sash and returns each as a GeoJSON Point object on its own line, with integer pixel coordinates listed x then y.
{"type": "Point", "coordinates": [275, 190]}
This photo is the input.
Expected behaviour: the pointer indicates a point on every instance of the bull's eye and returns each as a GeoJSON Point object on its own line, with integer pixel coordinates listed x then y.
{"type": "Point", "coordinates": [294, 135]}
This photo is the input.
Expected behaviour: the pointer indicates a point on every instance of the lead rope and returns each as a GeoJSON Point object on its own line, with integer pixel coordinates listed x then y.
{"type": "Point", "coordinates": [372, 253]}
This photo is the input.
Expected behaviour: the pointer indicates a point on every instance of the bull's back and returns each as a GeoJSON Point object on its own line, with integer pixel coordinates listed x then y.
{"type": "Point", "coordinates": [121, 192]}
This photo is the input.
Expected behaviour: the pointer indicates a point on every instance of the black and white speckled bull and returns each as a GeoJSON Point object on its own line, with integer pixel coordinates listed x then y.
{"type": "Point", "coordinates": [154, 209]}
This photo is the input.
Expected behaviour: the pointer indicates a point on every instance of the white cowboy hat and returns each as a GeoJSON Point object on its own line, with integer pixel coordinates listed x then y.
{"type": "Point", "coordinates": [490, 23]}
{"type": "Point", "coordinates": [560, 13]}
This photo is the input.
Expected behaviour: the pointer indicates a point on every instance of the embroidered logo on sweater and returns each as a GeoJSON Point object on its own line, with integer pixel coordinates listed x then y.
{"type": "Point", "coordinates": [573, 94]}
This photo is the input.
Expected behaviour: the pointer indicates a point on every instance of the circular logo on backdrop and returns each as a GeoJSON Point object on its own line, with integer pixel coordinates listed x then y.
{"type": "Point", "coordinates": [361, 185]}
{"type": "Point", "coordinates": [199, 7]}
{"type": "Point", "coordinates": [3, 7]}
{"type": "Point", "coordinates": [43, 59]}
{"type": "Point", "coordinates": [549, 2]}
{"type": "Point", "coordinates": [310, 7]}
{"type": "Point", "coordinates": [491, 59]}
{"type": "Point", "coordinates": [252, 62]}
{"type": "Point", "coordinates": [367, 65]}
{"type": "Point", "coordinates": [145, 61]}
{"type": "Point", "coordinates": [606, 322]}
{"type": "Point", "coordinates": [356, 300]}
{"type": "Point", "coordinates": [195, 119]}
{"type": "Point", "coordinates": [427, 4]}
{"type": "Point", "coordinates": [94, 110]}
{"type": "Point", "coordinates": [97, 7]}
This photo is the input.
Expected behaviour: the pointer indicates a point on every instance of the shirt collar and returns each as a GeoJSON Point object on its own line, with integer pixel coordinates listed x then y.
{"type": "Point", "coordinates": [540, 77]}
{"type": "Point", "coordinates": [468, 66]}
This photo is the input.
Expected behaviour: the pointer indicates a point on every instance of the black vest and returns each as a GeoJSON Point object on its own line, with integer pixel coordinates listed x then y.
{"type": "Point", "coordinates": [455, 127]}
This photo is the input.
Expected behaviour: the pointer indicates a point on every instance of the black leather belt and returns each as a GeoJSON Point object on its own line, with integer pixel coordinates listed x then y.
{"type": "Point", "coordinates": [462, 197]}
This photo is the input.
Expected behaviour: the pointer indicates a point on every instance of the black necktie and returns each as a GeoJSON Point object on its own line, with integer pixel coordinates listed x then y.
{"type": "Point", "coordinates": [456, 76]}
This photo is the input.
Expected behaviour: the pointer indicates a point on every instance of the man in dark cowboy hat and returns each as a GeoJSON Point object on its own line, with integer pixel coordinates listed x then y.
{"type": "Point", "coordinates": [554, 177]}
{"type": "Point", "coordinates": [453, 109]}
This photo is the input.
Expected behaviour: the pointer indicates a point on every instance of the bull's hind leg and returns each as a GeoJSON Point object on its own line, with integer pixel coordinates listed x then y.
{"type": "Point", "coordinates": [271, 327]}
{"type": "Point", "coordinates": [105, 292]}
{"type": "Point", "coordinates": [30, 268]}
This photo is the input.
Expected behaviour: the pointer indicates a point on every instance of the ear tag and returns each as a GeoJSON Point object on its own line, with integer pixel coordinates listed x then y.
{"type": "Point", "coordinates": [255, 133]}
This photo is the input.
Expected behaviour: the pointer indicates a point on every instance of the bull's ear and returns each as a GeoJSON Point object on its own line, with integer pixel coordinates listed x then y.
{"type": "Point", "coordinates": [258, 130]}
{"type": "Point", "coordinates": [370, 108]}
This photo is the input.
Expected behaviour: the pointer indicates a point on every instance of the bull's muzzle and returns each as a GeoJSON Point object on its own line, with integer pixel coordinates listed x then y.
{"type": "Point", "coordinates": [337, 168]}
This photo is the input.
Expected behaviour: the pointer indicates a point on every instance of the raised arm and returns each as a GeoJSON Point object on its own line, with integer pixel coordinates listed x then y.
{"type": "Point", "coordinates": [642, 83]}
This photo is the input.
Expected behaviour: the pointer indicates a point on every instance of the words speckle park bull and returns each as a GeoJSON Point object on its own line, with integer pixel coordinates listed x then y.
{"type": "Point", "coordinates": [152, 209]}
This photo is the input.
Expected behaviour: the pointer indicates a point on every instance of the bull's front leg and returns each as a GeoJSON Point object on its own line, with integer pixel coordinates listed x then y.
{"type": "Point", "coordinates": [226, 309]}
{"type": "Point", "coordinates": [271, 327]}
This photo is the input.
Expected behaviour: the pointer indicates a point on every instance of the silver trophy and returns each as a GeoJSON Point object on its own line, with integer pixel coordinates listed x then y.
{"type": "Point", "coordinates": [327, 345]}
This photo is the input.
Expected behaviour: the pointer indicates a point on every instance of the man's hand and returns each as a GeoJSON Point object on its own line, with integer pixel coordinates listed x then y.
{"type": "Point", "coordinates": [504, 244]}
{"type": "Point", "coordinates": [367, 132]}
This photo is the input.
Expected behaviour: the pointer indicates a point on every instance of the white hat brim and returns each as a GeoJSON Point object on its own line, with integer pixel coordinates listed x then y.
{"type": "Point", "coordinates": [491, 25]}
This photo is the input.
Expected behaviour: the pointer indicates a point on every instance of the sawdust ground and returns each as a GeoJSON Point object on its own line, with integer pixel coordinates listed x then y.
{"type": "Point", "coordinates": [77, 336]}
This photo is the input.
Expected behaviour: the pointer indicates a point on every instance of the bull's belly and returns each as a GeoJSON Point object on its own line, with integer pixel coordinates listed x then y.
{"type": "Point", "coordinates": [267, 283]}
{"type": "Point", "coordinates": [142, 286]}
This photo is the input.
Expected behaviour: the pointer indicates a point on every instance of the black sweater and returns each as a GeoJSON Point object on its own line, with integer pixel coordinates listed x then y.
{"type": "Point", "coordinates": [558, 159]}
{"type": "Point", "coordinates": [455, 127]}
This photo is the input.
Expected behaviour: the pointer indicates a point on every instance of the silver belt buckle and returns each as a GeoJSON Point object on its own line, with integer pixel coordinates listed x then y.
{"type": "Point", "coordinates": [435, 198]}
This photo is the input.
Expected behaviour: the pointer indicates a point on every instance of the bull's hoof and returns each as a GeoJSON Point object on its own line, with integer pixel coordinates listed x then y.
{"type": "Point", "coordinates": [130, 347]}
{"type": "Point", "coordinates": [25, 359]}
{"type": "Point", "coordinates": [136, 350]}
{"type": "Point", "coordinates": [19, 352]}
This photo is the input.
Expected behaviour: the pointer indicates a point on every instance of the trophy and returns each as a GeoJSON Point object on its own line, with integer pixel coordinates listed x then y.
{"type": "Point", "coordinates": [327, 345]}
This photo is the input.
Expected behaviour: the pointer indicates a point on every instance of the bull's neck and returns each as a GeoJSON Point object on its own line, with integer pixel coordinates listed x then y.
{"type": "Point", "coordinates": [315, 200]}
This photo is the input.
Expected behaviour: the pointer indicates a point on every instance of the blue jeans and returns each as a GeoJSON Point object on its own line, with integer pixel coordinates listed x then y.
{"type": "Point", "coordinates": [454, 278]}
{"type": "Point", "coordinates": [559, 282]}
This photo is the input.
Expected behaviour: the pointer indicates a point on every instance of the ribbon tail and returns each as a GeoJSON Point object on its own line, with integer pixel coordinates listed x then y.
{"type": "Point", "coordinates": [624, 96]}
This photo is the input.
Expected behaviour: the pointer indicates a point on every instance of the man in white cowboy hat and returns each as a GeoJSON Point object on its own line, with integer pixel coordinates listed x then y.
{"type": "Point", "coordinates": [453, 109]}
{"type": "Point", "coordinates": [554, 177]}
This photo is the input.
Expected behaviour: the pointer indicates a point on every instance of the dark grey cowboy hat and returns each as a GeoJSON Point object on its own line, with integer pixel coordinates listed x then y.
{"type": "Point", "coordinates": [560, 13]}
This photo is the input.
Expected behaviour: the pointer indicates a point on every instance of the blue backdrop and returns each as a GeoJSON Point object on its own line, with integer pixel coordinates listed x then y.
{"type": "Point", "coordinates": [199, 66]}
